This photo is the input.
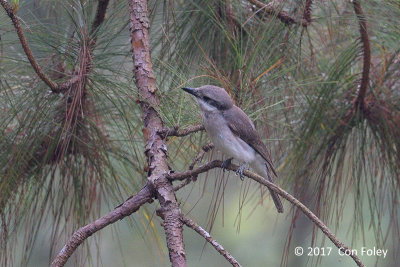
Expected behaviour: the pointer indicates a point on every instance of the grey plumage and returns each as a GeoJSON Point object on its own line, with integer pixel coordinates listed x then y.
{"type": "Point", "coordinates": [242, 126]}
{"type": "Point", "coordinates": [232, 132]}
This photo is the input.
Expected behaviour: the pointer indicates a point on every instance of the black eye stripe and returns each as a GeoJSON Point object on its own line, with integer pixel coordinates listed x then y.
{"type": "Point", "coordinates": [211, 102]}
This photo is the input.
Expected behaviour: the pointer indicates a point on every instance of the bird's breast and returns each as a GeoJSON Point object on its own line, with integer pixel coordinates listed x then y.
{"type": "Point", "coordinates": [226, 141]}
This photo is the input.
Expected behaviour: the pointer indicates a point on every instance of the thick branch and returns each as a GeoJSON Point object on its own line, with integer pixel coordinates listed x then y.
{"type": "Point", "coordinates": [181, 132]}
{"type": "Point", "coordinates": [360, 101]}
{"type": "Point", "coordinates": [278, 190]}
{"type": "Point", "coordinates": [155, 148]}
{"type": "Point", "coordinates": [130, 206]}
{"type": "Point", "coordinates": [43, 76]}
{"type": "Point", "coordinates": [191, 224]}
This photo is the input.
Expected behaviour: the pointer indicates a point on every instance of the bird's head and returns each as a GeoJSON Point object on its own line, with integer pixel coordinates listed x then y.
{"type": "Point", "coordinates": [211, 98]}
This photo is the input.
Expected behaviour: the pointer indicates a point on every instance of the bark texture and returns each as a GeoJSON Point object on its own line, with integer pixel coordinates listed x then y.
{"type": "Point", "coordinates": [155, 149]}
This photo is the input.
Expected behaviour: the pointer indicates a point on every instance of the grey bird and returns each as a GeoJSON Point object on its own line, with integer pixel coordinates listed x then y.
{"type": "Point", "coordinates": [233, 133]}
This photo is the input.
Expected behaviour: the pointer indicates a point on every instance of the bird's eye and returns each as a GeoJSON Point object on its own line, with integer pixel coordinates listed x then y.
{"type": "Point", "coordinates": [206, 98]}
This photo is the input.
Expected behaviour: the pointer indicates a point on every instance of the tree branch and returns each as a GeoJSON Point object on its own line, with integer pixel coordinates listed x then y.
{"type": "Point", "coordinates": [130, 206]}
{"type": "Point", "coordinates": [200, 155]}
{"type": "Point", "coordinates": [100, 14]}
{"type": "Point", "coordinates": [276, 189]}
{"type": "Point", "coordinates": [55, 87]}
{"type": "Point", "coordinates": [307, 12]}
{"type": "Point", "coordinates": [43, 76]}
{"type": "Point", "coordinates": [98, 20]}
{"type": "Point", "coordinates": [189, 173]}
{"type": "Point", "coordinates": [191, 224]}
{"type": "Point", "coordinates": [155, 148]}
{"type": "Point", "coordinates": [282, 15]}
{"type": "Point", "coordinates": [183, 132]}
{"type": "Point", "coordinates": [360, 101]}
{"type": "Point", "coordinates": [183, 184]}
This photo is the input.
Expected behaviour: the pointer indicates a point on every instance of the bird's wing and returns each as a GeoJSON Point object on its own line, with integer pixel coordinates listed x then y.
{"type": "Point", "coordinates": [241, 125]}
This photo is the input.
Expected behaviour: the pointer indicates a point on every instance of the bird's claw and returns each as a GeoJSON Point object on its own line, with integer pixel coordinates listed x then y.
{"type": "Point", "coordinates": [226, 163]}
{"type": "Point", "coordinates": [240, 170]}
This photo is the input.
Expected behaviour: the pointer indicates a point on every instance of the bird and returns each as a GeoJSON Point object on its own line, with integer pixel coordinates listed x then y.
{"type": "Point", "coordinates": [233, 133]}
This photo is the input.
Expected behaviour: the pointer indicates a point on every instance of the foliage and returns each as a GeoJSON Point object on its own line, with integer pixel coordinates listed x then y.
{"type": "Point", "coordinates": [63, 154]}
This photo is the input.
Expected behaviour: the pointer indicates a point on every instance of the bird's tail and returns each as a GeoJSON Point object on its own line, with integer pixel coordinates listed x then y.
{"type": "Point", "coordinates": [277, 201]}
{"type": "Point", "coordinates": [275, 196]}
{"type": "Point", "coordinates": [265, 170]}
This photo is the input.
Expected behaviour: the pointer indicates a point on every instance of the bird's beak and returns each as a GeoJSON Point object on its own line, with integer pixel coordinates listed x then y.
{"type": "Point", "coordinates": [190, 90]}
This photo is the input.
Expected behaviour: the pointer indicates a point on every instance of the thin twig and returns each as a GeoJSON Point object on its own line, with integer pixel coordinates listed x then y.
{"type": "Point", "coordinates": [281, 15]}
{"type": "Point", "coordinates": [55, 87]}
{"type": "Point", "coordinates": [35, 65]}
{"type": "Point", "coordinates": [191, 224]}
{"type": "Point", "coordinates": [318, 222]}
{"type": "Point", "coordinates": [278, 190]}
{"type": "Point", "coordinates": [98, 20]}
{"type": "Point", "coordinates": [200, 155]}
{"type": "Point", "coordinates": [347, 121]}
{"type": "Point", "coordinates": [360, 101]}
{"type": "Point", "coordinates": [130, 206]}
{"type": "Point", "coordinates": [307, 12]}
{"type": "Point", "coordinates": [100, 14]}
{"type": "Point", "coordinates": [181, 132]}
{"type": "Point", "coordinates": [179, 176]}
{"type": "Point", "coordinates": [183, 184]}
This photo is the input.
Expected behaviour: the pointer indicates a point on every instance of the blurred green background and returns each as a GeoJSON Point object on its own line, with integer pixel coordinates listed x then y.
{"type": "Point", "coordinates": [260, 241]}
{"type": "Point", "coordinates": [63, 165]}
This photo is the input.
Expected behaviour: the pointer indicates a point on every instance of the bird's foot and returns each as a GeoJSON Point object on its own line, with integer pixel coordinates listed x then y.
{"type": "Point", "coordinates": [240, 170]}
{"type": "Point", "coordinates": [226, 163]}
